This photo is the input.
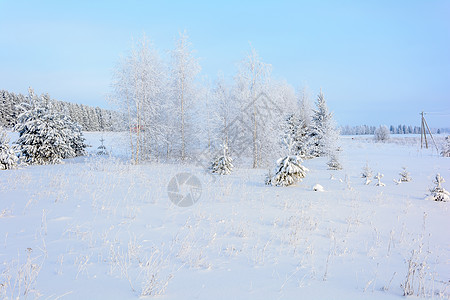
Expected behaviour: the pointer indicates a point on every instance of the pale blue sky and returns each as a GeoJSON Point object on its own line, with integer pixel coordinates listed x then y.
{"type": "Point", "coordinates": [378, 62]}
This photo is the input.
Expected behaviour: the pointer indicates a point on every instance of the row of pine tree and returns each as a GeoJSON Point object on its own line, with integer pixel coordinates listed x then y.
{"type": "Point", "coordinates": [88, 117]}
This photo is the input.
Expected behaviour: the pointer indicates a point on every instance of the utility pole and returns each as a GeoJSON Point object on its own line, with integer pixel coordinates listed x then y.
{"type": "Point", "coordinates": [423, 133]}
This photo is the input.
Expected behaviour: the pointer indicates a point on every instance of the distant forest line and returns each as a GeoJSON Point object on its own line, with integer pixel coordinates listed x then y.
{"type": "Point", "coordinates": [88, 117]}
{"type": "Point", "coordinates": [399, 129]}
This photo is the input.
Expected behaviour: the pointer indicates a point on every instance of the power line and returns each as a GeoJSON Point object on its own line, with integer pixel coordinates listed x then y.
{"type": "Point", "coordinates": [437, 113]}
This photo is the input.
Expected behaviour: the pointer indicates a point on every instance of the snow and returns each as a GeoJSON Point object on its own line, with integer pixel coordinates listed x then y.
{"type": "Point", "coordinates": [99, 228]}
{"type": "Point", "coordinates": [318, 188]}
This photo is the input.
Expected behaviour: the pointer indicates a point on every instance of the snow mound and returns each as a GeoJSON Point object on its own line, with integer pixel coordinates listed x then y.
{"type": "Point", "coordinates": [318, 188]}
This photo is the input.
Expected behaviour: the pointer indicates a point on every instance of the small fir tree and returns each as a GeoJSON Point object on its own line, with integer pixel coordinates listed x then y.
{"type": "Point", "coordinates": [101, 150]}
{"type": "Point", "coordinates": [367, 174]}
{"type": "Point", "coordinates": [404, 176]}
{"type": "Point", "coordinates": [334, 163]}
{"type": "Point", "coordinates": [8, 157]}
{"type": "Point", "coordinates": [446, 147]}
{"type": "Point", "coordinates": [223, 164]}
{"type": "Point", "coordinates": [438, 193]}
{"type": "Point", "coordinates": [289, 169]}
{"type": "Point", "coordinates": [378, 178]}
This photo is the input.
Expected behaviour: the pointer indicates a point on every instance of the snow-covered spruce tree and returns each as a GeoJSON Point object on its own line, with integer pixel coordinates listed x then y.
{"type": "Point", "coordinates": [223, 164]}
{"type": "Point", "coordinates": [323, 133]}
{"type": "Point", "coordinates": [438, 193]}
{"type": "Point", "coordinates": [382, 134]}
{"type": "Point", "coordinates": [296, 129]}
{"type": "Point", "coordinates": [8, 157]}
{"type": "Point", "coordinates": [288, 170]}
{"type": "Point", "coordinates": [404, 176]}
{"type": "Point", "coordinates": [101, 150]}
{"type": "Point", "coordinates": [76, 139]}
{"type": "Point", "coordinates": [446, 147]}
{"type": "Point", "coordinates": [43, 135]}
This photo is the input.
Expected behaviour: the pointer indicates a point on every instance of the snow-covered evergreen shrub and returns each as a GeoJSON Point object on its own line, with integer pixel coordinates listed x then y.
{"type": "Point", "coordinates": [446, 147]}
{"type": "Point", "coordinates": [382, 134]}
{"type": "Point", "coordinates": [367, 174]}
{"type": "Point", "coordinates": [8, 157]}
{"type": "Point", "coordinates": [438, 193]}
{"type": "Point", "coordinates": [334, 163]}
{"type": "Point", "coordinates": [404, 176]}
{"type": "Point", "coordinates": [378, 178]}
{"type": "Point", "coordinates": [101, 150]}
{"type": "Point", "coordinates": [223, 164]}
{"type": "Point", "coordinates": [44, 137]}
{"type": "Point", "coordinates": [318, 188]}
{"type": "Point", "coordinates": [288, 171]}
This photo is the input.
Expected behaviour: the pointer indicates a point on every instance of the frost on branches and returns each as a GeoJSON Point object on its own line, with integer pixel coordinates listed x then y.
{"type": "Point", "coordinates": [222, 165]}
{"type": "Point", "coordinates": [46, 137]}
{"type": "Point", "coordinates": [446, 147]}
{"type": "Point", "coordinates": [8, 157]}
{"type": "Point", "coordinates": [382, 134]}
{"type": "Point", "coordinates": [438, 193]}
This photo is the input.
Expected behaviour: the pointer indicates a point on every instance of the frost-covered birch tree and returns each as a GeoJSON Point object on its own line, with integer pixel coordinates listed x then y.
{"type": "Point", "coordinates": [184, 71]}
{"type": "Point", "coordinates": [139, 82]}
{"type": "Point", "coordinates": [225, 110]}
{"type": "Point", "coordinates": [251, 82]}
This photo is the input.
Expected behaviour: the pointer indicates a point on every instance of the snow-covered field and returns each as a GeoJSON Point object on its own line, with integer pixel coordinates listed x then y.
{"type": "Point", "coordinates": [99, 228]}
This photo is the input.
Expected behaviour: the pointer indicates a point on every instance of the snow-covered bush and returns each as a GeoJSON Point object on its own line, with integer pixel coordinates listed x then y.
{"type": "Point", "coordinates": [8, 157]}
{"type": "Point", "coordinates": [318, 188]}
{"type": "Point", "coordinates": [446, 147]}
{"type": "Point", "coordinates": [223, 164]}
{"type": "Point", "coordinates": [334, 163]}
{"type": "Point", "coordinates": [438, 193]}
{"type": "Point", "coordinates": [288, 171]}
{"type": "Point", "coordinates": [367, 174]}
{"type": "Point", "coordinates": [404, 176]}
{"type": "Point", "coordinates": [378, 178]}
{"type": "Point", "coordinates": [44, 137]}
{"type": "Point", "coordinates": [382, 134]}
{"type": "Point", "coordinates": [101, 150]}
